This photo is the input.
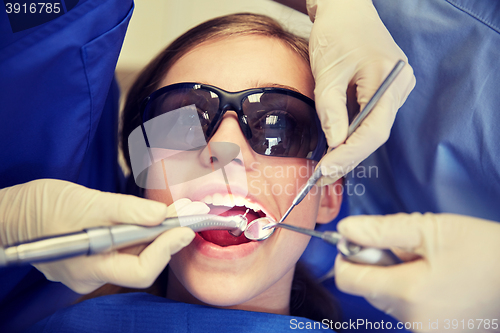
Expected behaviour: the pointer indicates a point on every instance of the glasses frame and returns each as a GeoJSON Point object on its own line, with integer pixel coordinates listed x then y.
{"type": "Point", "coordinates": [233, 101]}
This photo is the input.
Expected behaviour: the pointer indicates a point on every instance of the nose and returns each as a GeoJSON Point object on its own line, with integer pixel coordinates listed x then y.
{"type": "Point", "coordinates": [223, 143]}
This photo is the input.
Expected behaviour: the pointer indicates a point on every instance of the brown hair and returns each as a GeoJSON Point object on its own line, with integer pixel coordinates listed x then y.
{"type": "Point", "coordinates": [308, 298]}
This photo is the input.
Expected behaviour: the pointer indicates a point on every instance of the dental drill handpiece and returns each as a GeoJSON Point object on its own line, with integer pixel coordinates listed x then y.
{"type": "Point", "coordinates": [354, 125]}
{"type": "Point", "coordinates": [349, 250]}
{"type": "Point", "coordinates": [105, 239]}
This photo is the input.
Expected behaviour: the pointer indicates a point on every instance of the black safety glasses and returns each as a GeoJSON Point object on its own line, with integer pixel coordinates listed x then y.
{"type": "Point", "coordinates": [275, 121]}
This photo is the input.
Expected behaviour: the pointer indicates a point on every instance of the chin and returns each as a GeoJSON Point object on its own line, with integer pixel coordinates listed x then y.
{"type": "Point", "coordinates": [216, 288]}
{"type": "Point", "coordinates": [226, 283]}
{"type": "Point", "coordinates": [222, 297]}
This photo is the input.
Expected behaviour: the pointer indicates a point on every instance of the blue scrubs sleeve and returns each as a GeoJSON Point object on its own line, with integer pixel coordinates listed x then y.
{"type": "Point", "coordinates": [54, 82]}
{"type": "Point", "coordinates": [59, 108]}
{"type": "Point", "coordinates": [443, 154]}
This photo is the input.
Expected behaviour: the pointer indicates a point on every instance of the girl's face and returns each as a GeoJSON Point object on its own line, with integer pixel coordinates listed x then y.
{"type": "Point", "coordinates": [253, 276]}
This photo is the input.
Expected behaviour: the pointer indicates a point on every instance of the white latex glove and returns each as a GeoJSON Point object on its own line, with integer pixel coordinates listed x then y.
{"type": "Point", "coordinates": [350, 46]}
{"type": "Point", "coordinates": [456, 278]}
{"type": "Point", "coordinates": [49, 207]}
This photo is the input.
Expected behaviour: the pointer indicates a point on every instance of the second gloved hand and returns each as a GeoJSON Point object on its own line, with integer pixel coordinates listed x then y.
{"type": "Point", "coordinates": [455, 281]}
{"type": "Point", "coordinates": [351, 48]}
{"type": "Point", "coordinates": [49, 207]}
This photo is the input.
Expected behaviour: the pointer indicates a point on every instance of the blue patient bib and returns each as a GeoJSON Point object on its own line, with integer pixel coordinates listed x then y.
{"type": "Point", "coordinates": [140, 312]}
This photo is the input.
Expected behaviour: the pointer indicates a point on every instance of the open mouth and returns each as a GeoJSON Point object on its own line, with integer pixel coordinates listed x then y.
{"type": "Point", "coordinates": [228, 206]}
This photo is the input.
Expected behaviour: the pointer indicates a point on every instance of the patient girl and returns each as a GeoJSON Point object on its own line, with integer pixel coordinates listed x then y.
{"type": "Point", "coordinates": [252, 86]}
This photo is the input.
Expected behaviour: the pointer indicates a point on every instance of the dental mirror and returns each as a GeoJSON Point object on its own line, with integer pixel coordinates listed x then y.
{"type": "Point", "coordinates": [255, 229]}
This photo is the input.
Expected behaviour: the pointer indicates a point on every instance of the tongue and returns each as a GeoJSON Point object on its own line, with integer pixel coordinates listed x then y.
{"type": "Point", "coordinates": [223, 237]}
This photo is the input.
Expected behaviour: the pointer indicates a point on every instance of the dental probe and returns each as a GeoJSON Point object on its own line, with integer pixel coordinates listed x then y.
{"type": "Point", "coordinates": [105, 239]}
{"type": "Point", "coordinates": [349, 250]}
{"type": "Point", "coordinates": [354, 125]}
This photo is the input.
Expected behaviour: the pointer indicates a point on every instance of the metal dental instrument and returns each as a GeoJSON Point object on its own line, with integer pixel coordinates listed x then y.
{"type": "Point", "coordinates": [105, 239]}
{"type": "Point", "coordinates": [349, 250]}
{"type": "Point", "coordinates": [354, 125]}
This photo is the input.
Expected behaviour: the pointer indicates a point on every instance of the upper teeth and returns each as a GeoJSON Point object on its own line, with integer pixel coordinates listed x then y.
{"type": "Point", "coordinates": [218, 199]}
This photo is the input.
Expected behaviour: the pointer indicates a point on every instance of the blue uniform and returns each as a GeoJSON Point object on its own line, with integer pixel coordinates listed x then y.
{"type": "Point", "coordinates": [59, 105]}
{"type": "Point", "coordinates": [444, 148]}
{"type": "Point", "coordinates": [55, 90]}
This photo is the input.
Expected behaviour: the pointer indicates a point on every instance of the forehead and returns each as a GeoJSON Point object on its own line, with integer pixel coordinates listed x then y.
{"type": "Point", "coordinates": [243, 62]}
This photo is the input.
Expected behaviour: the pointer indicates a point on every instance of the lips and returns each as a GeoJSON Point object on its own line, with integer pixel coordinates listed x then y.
{"type": "Point", "coordinates": [223, 237]}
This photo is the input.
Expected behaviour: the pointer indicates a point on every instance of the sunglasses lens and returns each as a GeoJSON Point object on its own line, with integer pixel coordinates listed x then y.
{"type": "Point", "coordinates": [277, 123]}
{"type": "Point", "coordinates": [188, 113]}
{"type": "Point", "coordinates": [281, 125]}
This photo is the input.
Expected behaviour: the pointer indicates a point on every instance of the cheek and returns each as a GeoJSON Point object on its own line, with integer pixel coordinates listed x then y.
{"type": "Point", "coordinates": [307, 210]}
{"type": "Point", "coordinates": [282, 178]}
{"type": "Point", "coordinates": [289, 244]}
{"type": "Point", "coordinates": [292, 246]}
{"type": "Point", "coordinates": [159, 195]}
{"type": "Point", "coordinates": [304, 216]}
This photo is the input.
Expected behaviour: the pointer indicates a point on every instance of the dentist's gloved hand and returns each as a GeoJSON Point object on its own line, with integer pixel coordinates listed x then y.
{"type": "Point", "coordinates": [456, 277]}
{"type": "Point", "coordinates": [49, 207]}
{"type": "Point", "coordinates": [350, 47]}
